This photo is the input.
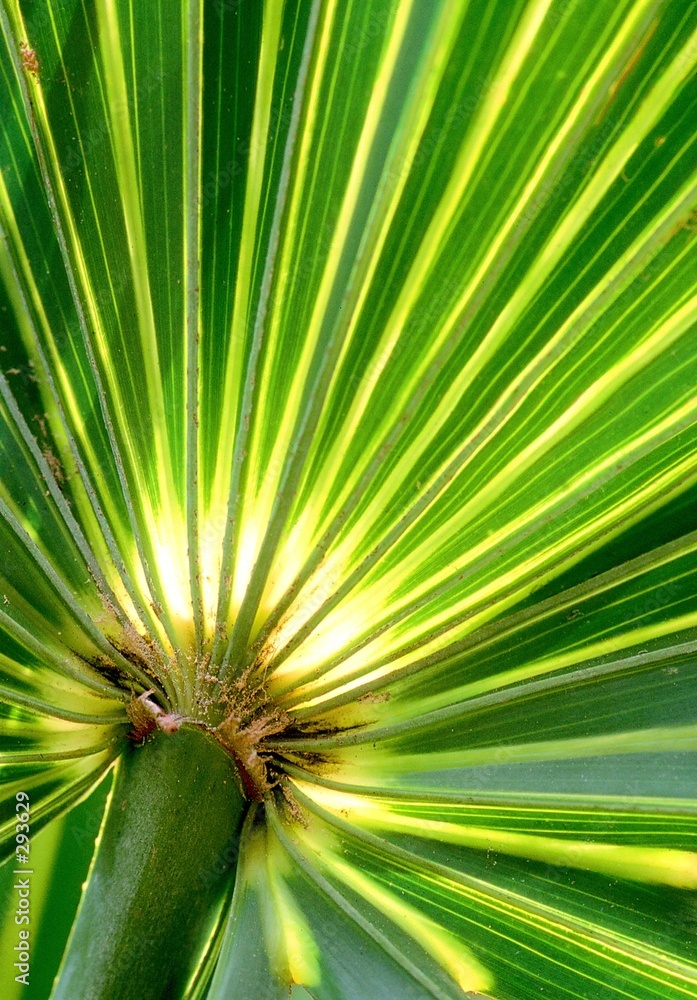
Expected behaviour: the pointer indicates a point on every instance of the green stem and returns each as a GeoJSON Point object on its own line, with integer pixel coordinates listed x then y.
{"type": "Point", "coordinates": [166, 854]}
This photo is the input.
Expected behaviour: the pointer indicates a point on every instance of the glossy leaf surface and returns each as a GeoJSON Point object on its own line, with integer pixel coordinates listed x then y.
{"type": "Point", "coordinates": [348, 404]}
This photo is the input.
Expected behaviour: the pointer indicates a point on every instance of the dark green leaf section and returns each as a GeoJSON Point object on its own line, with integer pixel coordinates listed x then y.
{"type": "Point", "coordinates": [243, 970]}
{"type": "Point", "coordinates": [508, 911]}
{"type": "Point", "coordinates": [169, 834]}
{"type": "Point", "coordinates": [345, 928]}
{"type": "Point", "coordinates": [348, 357]}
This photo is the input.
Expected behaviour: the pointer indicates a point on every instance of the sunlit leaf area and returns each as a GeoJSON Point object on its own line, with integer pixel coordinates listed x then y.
{"type": "Point", "coordinates": [348, 414]}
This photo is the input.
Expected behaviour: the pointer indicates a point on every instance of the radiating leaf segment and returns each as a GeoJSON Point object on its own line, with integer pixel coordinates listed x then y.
{"type": "Point", "coordinates": [347, 437]}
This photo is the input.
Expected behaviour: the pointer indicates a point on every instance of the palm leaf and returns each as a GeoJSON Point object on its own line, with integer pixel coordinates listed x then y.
{"type": "Point", "coordinates": [348, 412]}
